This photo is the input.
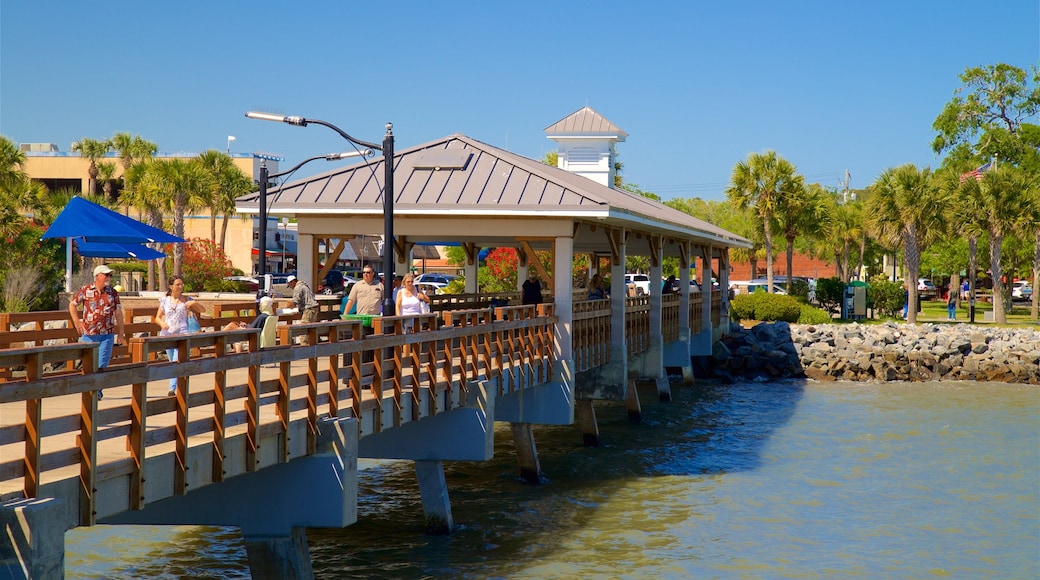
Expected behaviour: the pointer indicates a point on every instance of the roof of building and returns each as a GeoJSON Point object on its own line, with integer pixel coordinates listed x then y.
{"type": "Point", "coordinates": [460, 176]}
{"type": "Point", "coordinates": [585, 121]}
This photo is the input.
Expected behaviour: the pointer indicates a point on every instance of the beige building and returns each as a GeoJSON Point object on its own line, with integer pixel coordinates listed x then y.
{"type": "Point", "coordinates": [63, 169]}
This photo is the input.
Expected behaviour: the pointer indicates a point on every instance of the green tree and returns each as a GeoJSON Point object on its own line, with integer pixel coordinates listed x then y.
{"type": "Point", "coordinates": [228, 182]}
{"type": "Point", "coordinates": [93, 150]}
{"type": "Point", "coordinates": [1001, 208]}
{"type": "Point", "coordinates": [804, 211]}
{"type": "Point", "coordinates": [762, 182]}
{"type": "Point", "coordinates": [905, 205]}
{"type": "Point", "coordinates": [989, 116]}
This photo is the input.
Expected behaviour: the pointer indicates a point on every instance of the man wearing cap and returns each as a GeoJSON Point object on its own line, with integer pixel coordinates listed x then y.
{"type": "Point", "coordinates": [102, 320]}
{"type": "Point", "coordinates": [303, 299]}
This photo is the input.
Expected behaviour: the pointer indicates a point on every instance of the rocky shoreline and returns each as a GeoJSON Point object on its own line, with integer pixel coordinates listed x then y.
{"type": "Point", "coordinates": [881, 352]}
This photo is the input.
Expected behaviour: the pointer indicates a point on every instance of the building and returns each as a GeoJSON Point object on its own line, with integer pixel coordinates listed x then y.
{"type": "Point", "coordinates": [56, 169]}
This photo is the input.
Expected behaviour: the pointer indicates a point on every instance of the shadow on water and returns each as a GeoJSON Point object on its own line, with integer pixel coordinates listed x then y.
{"type": "Point", "coordinates": [501, 522]}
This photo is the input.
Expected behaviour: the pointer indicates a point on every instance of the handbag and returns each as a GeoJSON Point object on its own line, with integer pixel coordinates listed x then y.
{"type": "Point", "coordinates": [193, 324]}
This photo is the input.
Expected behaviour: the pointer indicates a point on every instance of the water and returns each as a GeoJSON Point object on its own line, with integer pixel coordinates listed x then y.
{"type": "Point", "coordinates": [904, 480]}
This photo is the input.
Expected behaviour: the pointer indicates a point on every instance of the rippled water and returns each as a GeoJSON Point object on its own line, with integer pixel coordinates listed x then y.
{"type": "Point", "coordinates": [907, 480]}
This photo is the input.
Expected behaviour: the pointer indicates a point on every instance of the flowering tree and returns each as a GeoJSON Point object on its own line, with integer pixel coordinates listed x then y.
{"type": "Point", "coordinates": [205, 265]}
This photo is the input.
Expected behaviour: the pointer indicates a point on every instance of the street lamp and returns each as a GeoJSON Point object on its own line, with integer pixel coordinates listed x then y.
{"type": "Point", "coordinates": [387, 149]}
{"type": "Point", "coordinates": [285, 230]}
{"type": "Point", "coordinates": [264, 178]}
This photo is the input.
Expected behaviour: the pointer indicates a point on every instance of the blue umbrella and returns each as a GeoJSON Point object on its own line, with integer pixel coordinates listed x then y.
{"type": "Point", "coordinates": [114, 250]}
{"type": "Point", "coordinates": [94, 223]}
{"type": "Point", "coordinates": [90, 222]}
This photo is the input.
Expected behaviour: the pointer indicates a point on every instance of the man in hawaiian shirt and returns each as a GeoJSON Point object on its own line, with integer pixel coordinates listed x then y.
{"type": "Point", "coordinates": [102, 320]}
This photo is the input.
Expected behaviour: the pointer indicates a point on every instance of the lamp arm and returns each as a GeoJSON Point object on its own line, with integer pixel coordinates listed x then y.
{"type": "Point", "coordinates": [303, 123]}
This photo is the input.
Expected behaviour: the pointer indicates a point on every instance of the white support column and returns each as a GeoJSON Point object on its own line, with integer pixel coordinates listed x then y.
{"type": "Point", "coordinates": [404, 265]}
{"type": "Point", "coordinates": [653, 360]}
{"type": "Point", "coordinates": [305, 259]}
{"type": "Point", "coordinates": [433, 489]}
{"type": "Point", "coordinates": [724, 288]}
{"type": "Point", "coordinates": [708, 289]}
{"type": "Point", "coordinates": [562, 299]}
{"type": "Point", "coordinates": [685, 259]}
{"type": "Point", "coordinates": [470, 272]}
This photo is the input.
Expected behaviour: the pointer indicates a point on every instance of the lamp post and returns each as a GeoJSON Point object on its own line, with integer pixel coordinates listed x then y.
{"type": "Point", "coordinates": [285, 230]}
{"type": "Point", "coordinates": [387, 148]}
{"type": "Point", "coordinates": [265, 177]}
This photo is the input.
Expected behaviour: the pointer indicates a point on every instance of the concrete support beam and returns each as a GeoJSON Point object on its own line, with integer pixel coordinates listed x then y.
{"type": "Point", "coordinates": [585, 418]}
{"type": "Point", "coordinates": [434, 491]}
{"type": "Point", "coordinates": [654, 358]}
{"type": "Point", "coordinates": [526, 453]}
{"type": "Point", "coordinates": [285, 557]}
{"type": "Point", "coordinates": [551, 403]}
{"type": "Point", "coordinates": [462, 434]}
{"type": "Point", "coordinates": [33, 542]}
{"type": "Point", "coordinates": [679, 355]}
{"type": "Point", "coordinates": [563, 330]}
{"type": "Point", "coordinates": [635, 410]}
{"type": "Point", "coordinates": [701, 338]}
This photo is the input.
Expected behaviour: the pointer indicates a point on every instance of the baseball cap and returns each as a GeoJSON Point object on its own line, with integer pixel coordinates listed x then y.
{"type": "Point", "coordinates": [290, 279]}
{"type": "Point", "coordinates": [103, 269]}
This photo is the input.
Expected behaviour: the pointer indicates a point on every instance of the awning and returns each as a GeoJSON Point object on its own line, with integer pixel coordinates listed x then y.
{"type": "Point", "coordinates": [83, 219]}
{"type": "Point", "coordinates": [113, 250]}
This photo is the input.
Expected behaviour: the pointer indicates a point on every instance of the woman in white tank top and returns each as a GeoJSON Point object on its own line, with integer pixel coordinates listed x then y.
{"type": "Point", "coordinates": [410, 300]}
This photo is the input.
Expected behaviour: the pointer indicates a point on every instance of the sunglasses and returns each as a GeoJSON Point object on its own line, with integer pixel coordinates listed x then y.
{"type": "Point", "coordinates": [368, 272]}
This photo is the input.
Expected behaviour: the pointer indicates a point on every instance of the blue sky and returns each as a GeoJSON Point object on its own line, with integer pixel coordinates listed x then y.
{"type": "Point", "coordinates": [830, 85]}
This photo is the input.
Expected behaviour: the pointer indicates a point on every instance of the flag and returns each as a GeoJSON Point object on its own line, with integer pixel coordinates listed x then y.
{"type": "Point", "coordinates": [230, 138]}
{"type": "Point", "coordinates": [976, 173]}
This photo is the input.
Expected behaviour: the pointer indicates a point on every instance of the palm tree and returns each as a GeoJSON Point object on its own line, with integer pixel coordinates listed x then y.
{"type": "Point", "coordinates": [185, 186]}
{"type": "Point", "coordinates": [762, 182]}
{"type": "Point", "coordinates": [145, 190]}
{"type": "Point", "coordinates": [906, 205]}
{"type": "Point", "coordinates": [229, 182]}
{"type": "Point", "coordinates": [93, 150]}
{"type": "Point", "coordinates": [1001, 207]}
{"type": "Point", "coordinates": [12, 162]}
{"type": "Point", "coordinates": [803, 212]}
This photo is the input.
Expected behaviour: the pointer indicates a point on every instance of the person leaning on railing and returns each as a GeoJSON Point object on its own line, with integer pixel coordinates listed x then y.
{"type": "Point", "coordinates": [102, 320]}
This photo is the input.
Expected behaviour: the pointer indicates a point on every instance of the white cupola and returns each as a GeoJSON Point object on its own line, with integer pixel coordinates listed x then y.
{"type": "Point", "coordinates": [585, 144]}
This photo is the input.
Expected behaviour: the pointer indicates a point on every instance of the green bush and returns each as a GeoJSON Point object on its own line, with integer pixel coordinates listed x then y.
{"type": "Point", "coordinates": [800, 290]}
{"type": "Point", "coordinates": [813, 315]}
{"type": "Point", "coordinates": [886, 296]}
{"type": "Point", "coordinates": [766, 307]}
{"type": "Point", "coordinates": [829, 292]}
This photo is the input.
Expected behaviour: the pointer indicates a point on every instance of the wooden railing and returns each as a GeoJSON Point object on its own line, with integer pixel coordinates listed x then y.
{"type": "Point", "coordinates": [696, 312]}
{"type": "Point", "coordinates": [411, 375]}
{"type": "Point", "coordinates": [591, 342]}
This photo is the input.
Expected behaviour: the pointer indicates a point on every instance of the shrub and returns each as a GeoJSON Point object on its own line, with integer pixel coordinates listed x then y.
{"type": "Point", "coordinates": [800, 290]}
{"type": "Point", "coordinates": [829, 292]}
{"type": "Point", "coordinates": [886, 296]}
{"type": "Point", "coordinates": [204, 267]}
{"type": "Point", "coordinates": [813, 315]}
{"type": "Point", "coordinates": [766, 307]}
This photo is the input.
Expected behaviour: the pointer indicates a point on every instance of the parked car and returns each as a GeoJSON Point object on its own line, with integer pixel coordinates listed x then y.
{"type": "Point", "coordinates": [926, 290]}
{"type": "Point", "coordinates": [336, 283]}
{"type": "Point", "coordinates": [244, 283]}
{"type": "Point", "coordinates": [751, 286]}
{"type": "Point", "coordinates": [641, 282]}
{"type": "Point", "coordinates": [1021, 290]}
{"type": "Point", "coordinates": [435, 277]}
{"type": "Point", "coordinates": [431, 288]}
